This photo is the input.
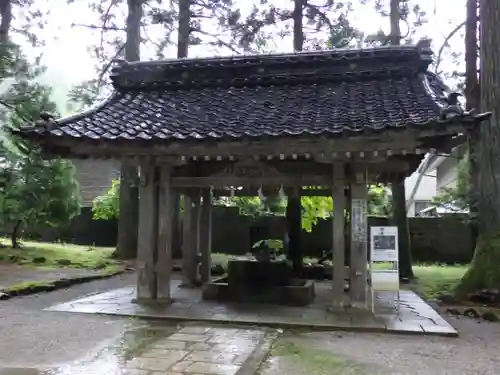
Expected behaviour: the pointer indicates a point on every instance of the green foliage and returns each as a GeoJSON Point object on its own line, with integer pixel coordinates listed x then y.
{"type": "Point", "coordinates": [457, 198]}
{"type": "Point", "coordinates": [248, 206]}
{"type": "Point", "coordinates": [268, 249]}
{"type": "Point", "coordinates": [32, 190]}
{"type": "Point", "coordinates": [37, 192]}
{"type": "Point", "coordinates": [314, 208]}
{"type": "Point", "coordinates": [379, 201]}
{"type": "Point", "coordinates": [107, 207]}
{"type": "Point", "coordinates": [276, 244]}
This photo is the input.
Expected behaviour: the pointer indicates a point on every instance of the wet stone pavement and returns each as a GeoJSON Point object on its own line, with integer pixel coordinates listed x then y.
{"type": "Point", "coordinates": [37, 342]}
{"type": "Point", "coordinates": [414, 315]}
{"type": "Point", "coordinates": [164, 350]}
{"type": "Point", "coordinates": [199, 350]}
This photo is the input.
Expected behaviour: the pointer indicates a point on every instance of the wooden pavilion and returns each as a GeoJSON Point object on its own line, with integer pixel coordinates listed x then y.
{"type": "Point", "coordinates": [338, 119]}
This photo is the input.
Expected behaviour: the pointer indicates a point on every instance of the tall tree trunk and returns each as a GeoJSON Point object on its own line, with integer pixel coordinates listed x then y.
{"type": "Point", "coordinates": [399, 215]}
{"type": "Point", "coordinates": [483, 272]}
{"type": "Point", "coordinates": [298, 28]}
{"type": "Point", "coordinates": [129, 192]}
{"type": "Point", "coordinates": [395, 18]}
{"type": "Point", "coordinates": [6, 15]}
{"type": "Point", "coordinates": [184, 28]}
{"type": "Point", "coordinates": [15, 235]}
{"type": "Point", "coordinates": [183, 34]}
{"type": "Point", "coordinates": [294, 204]}
{"type": "Point", "coordinates": [472, 96]}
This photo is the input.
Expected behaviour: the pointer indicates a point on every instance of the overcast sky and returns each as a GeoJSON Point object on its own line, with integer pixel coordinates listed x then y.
{"type": "Point", "coordinates": [68, 60]}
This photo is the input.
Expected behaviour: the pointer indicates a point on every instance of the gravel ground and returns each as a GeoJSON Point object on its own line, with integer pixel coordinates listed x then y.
{"type": "Point", "coordinates": [34, 338]}
{"type": "Point", "coordinates": [475, 352]}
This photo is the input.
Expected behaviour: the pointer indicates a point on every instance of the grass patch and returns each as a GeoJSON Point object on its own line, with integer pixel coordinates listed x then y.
{"type": "Point", "coordinates": [28, 285]}
{"type": "Point", "coordinates": [316, 361]}
{"type": "Point", "coordinates": [221, 259]}
{"type": "Point", "coordinates": [52, 255]}
{"type": "Point", "coordinates": [435, 280]}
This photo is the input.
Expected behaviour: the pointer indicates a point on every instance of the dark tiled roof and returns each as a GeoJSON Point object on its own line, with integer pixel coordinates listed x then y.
{"type": "Point", "coordinates": [318, 93]}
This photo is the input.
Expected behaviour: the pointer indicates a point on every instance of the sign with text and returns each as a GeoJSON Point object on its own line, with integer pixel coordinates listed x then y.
{"type": "Point", "coordinates": [384, 244]}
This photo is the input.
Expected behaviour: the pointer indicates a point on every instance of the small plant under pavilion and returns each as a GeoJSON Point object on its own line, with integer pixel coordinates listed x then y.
{"type": "Point", "coordinates": [339, 120]}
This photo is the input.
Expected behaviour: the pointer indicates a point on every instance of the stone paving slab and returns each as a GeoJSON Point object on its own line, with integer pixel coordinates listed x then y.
{"type": "Point", "coordinates": [198, 351]}
{"type": "Point", "coordinates": [414, 315]}
{"type": "Point", "coordinates": [189, 350]}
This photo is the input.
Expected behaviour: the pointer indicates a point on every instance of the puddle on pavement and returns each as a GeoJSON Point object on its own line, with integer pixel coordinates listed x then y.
{"type": "Point", "coordinates": [108, 358]}
{"type": "Point", "coordinates": [159, 348]}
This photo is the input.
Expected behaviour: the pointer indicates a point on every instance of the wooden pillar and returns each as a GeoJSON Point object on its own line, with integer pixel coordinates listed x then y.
{"type": "Point", "coordinates": [176, 227]}
{"type": "Point", "coordinates": [189, 242]}
{"type": "Point", "coordinates": [196, 233]}
{"type": "Point", "coordinates": [338, 240]}
{"type": "Point", "coordinates": [165, 230]}
{"type": "Point", "coordinates": [294, 226]}
{"type": "Point", "coordinates": [359, 243]}
{"type": "Point", "coordinates": [147, 233]}
{"type": "Point", "coordinates": [206, 236]}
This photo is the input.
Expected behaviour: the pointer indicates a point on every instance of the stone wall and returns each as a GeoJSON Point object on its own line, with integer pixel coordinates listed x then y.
{"type": "Point", "coordinates": [446, 239]}
{"type": "Point", "coordinates": [83, 230]}
{"type": "Point", "coordinates": [433, 239]}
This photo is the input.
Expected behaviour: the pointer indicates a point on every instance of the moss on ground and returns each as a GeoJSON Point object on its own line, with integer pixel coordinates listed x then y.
{"type": "Point", "coordinates": [56, 255]}
{"type": "Point", "coordinates": [41, 284]}
{"type": "Point", "coordinates": [27, 287]}
{"type": "Point", "coordinates": [314, 360]}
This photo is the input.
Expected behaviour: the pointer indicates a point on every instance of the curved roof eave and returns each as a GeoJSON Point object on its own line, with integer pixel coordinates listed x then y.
{"type": "Point", "coordinates": [89, 111]}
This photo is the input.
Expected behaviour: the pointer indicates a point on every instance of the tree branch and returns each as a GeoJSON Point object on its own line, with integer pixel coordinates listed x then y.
{"type": "Point", "coordinates": [218, 41]}
{"type": "Point", "coordinates": [16, 110]}
{"type": "Point", "coordinates": [446, 43]}
{"type": "Point", "coordinates": [106, 67]}
{"type": "Point", "coordinates": [97, 27]}
{"type": "Point", "coordinates": [105, 18]}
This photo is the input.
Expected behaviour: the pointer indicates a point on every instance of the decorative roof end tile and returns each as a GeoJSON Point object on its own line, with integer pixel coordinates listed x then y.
{"type": "Point", "coordinates": [47, 122]}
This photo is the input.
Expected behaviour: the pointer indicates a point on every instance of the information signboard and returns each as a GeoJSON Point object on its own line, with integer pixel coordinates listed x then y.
{"type": "Point", "coordinates": [384, 262]}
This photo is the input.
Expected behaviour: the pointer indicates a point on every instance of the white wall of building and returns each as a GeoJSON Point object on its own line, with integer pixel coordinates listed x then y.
{"type": "Point", "coordinates": [447, 173]}
{"type": "Point", "coordinates": [426, 190]}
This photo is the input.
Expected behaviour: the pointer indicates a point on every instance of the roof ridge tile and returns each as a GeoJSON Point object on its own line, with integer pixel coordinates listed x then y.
{"type": "Point", "coordinates": [272, 69]}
